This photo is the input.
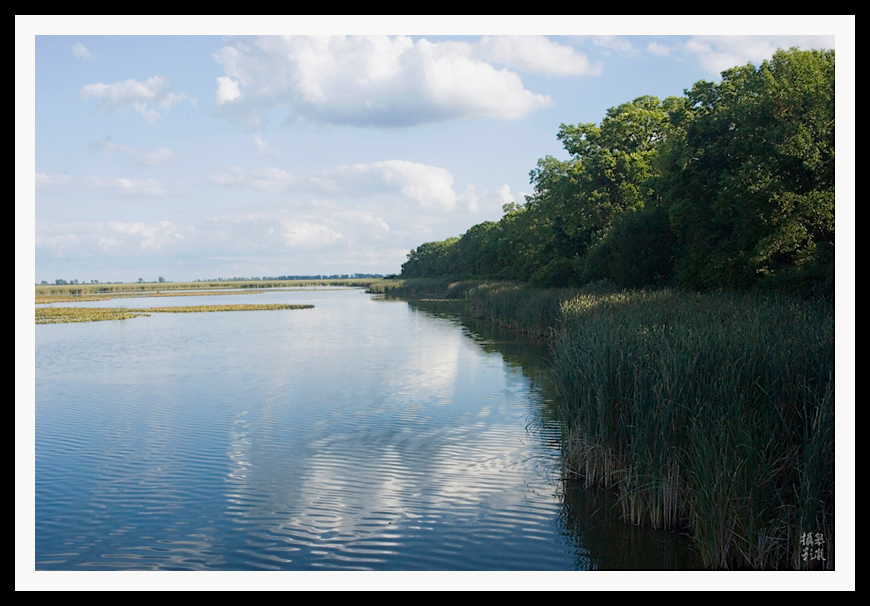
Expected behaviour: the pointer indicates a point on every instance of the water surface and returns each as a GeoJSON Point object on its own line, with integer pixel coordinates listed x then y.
{"type": "Point", "coordinates": [363, 434]}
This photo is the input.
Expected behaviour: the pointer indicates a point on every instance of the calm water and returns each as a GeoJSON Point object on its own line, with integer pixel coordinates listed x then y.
{"type": "Point", "coordinates": [363, 434]}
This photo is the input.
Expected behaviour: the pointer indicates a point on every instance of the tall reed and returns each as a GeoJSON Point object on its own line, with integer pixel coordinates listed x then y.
{"type": "Point", "coordinates": [713, 412]}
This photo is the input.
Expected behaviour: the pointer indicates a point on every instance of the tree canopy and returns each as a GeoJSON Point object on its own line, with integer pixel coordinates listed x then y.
{"type": "Point", "coordinates": [729, 186]}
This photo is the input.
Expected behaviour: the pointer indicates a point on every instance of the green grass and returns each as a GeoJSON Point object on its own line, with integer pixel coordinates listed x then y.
{"type": "Point", "coordinates": [55, 315]}
{"type": "Point", "coordinates": [65, 298]}
{"type": "Point", "coordinates": [712, 412]}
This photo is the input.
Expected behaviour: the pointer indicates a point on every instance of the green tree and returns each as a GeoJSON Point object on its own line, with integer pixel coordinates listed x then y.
{"type": "Point", "coordinates": [751, 194]}
{"type": "Point", "coordinates": [610, 172]}
{"type": "Point", "coordinates": [617, 158]}
{"type": "Point", "coordinates": [431, 259]}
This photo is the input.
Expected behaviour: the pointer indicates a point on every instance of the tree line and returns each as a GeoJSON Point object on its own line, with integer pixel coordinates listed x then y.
{"type": "Point", "coordinates": [729, 186]}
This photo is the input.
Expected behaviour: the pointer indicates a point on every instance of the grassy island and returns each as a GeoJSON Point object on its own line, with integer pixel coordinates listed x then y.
{"type": "Point", "coordinates": [55, 315]}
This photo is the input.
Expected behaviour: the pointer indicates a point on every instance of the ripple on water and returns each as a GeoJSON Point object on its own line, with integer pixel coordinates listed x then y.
{"type": "Point", "coordinates": [360, 435]}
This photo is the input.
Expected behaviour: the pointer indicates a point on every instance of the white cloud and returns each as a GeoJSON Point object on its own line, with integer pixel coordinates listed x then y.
{"type": "Point", "coordinates": [170, 99]}
{"type": "Point", "coordinates": [504, 195]}
{"type": "Point", "coordinates": [116, 186]}
{"type": "Point", "coordinates": [268, 179]}
{"type": "Point", "coordinates": [379, 80]}
{"type": "Point", "coordinates": [615, 43]}
{"type": "Point", "coordinates": [307, 235]}
{"type": "Point", "coordinates": [489, 202]}
{"type": "Point", "coordinates": [116, 238]}
{"type": "Point", "coordinates": [49, 180]}
{"type": "Point", "coordinates": [536, 54]}
{"type": "Point", "coordinates": [659, 49]}
{"type": "Point", "coordinates": [263, 148]}
{"type": "Point", "coordinates": [427, 186]}
{"type": "Point", "coordinates": [81, 52]}
{"type": "Point", "coordinates": [120, 94]}
{"type": "Point", "coordinates": [149, 98]}
{"type": "Point", "coordinates": [276, 230]}
{"type": "Point", "coordinates": [718, 53]}
{"type": "Point", "coordinates": [228, 90]}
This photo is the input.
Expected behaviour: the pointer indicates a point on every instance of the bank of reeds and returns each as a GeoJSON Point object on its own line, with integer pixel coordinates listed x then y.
{"type": "Point", "coordinates": [60, 315]}
{"type": "Point", "coordinates": [412, 289]}
{"type": "Point", "coordinates": [536, 312]}
{"type": "Point", "coordinates": [531, 311]}
{"type": "Point", "coordinates": [59, 298]}
{"type": "Point", "coordinates": [140, 287]}
{"type": "Point", "coordinates": [56, 315]}
{"type": "Point", "coordinates": [709, 412]}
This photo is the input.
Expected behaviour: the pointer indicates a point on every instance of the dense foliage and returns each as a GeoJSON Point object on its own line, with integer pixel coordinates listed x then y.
{"type": "Point", "coordinates": [728, 186]}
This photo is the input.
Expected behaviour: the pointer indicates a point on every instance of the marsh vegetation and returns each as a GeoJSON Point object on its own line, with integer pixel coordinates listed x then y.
{"type": "Point", "coordinates": [55, 315]}
{"type": "Point", "coordinates": [712, 413]}
{"type": "Point", "coordinates": [164, 288]}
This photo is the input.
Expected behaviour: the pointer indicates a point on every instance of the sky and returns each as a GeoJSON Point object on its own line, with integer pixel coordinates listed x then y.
{"type": "Point", "coordinates": [198, 156]}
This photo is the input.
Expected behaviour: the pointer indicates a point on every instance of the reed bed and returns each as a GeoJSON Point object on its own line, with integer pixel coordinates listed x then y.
{"type": "Point", "coordinates": [47, 299]}
{"type": "Point", "coordinates": [54, 315]}
{"type": "Point", "coordinates": [533, 311]}
{"type": "Point", "coordinates": [412, 289]}
{"type": "Point", "coordinates": [709, 413]}
{"type": "Point", "coordinates": [139, 287]}
{"type": "Point", "coordinates": [57, 315]}
{"type": "Point", "coordinates": [712, 413]}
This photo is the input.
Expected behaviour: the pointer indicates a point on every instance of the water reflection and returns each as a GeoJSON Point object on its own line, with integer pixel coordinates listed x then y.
{"type": "Point", "coordinates": [590, 515]}
{"type": "Point", "coordinates": [361, 434]}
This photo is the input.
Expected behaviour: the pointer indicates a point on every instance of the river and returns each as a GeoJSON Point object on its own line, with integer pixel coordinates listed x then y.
{"type": "Point", "coordinates": [362, 434]}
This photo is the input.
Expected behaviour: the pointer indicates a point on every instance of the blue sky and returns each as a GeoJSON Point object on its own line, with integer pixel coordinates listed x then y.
{"type": "Point", "coordinates": [193, 155]}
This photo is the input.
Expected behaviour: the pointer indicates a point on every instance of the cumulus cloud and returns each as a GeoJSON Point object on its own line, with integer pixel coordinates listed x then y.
{"type": "Point", "coordinates": [386, 81]}
{"type": "Point", "coordinates": [150, 98]}
{"type": "Point", "coordinates": [658, 49]}
{"type": "Point", "coordinates": [364, 218]}
{"type": "Point", "coordinates": [277, 230]}
{"type": "Point", "coordinates": [427, 186]}
{"type": "Point", "coordinates": [307, 235]}
{"type": "Point", "coordinates": [718, 53]}
{"type": "Point", "coordinates": [615, 43]}
{"type": "Point", "coordinates": [490, 202]}
{"type": "Point", "coordinates": [536, 54]}
{"type": "Point", "coordinates": [116, 238]}
{"type": "Point", "coordinates": [228, 90]}
{"type": "Point", "coordinates": [116, 186]}
{"type": "Point", "coordinates": [81, 52]}
{"type": "Point", "coordinates": [268, 179]}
